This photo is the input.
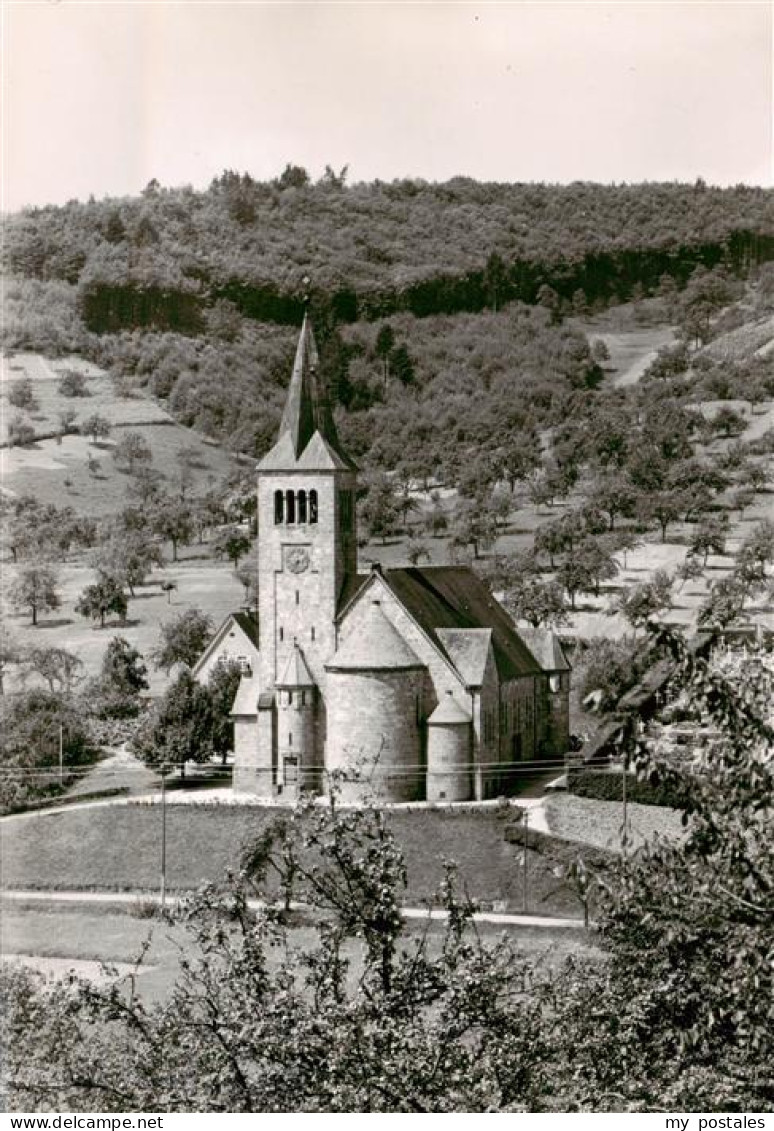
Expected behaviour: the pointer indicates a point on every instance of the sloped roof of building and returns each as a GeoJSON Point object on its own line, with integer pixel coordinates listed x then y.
{"type": "Point", "coordinates": [296, 673]}
{"type": "Point", "coordinates": [246, 698]}
{"type": "Point", "coordinates": [244, 620]}
{"type": "Point", "coordinates": [376, 645]}
{"type": "Point", "coordinates": [320, 455]}
{"type": "Point", "coordinates": [441, 597]}
{"type": "Point", "coordinates": [449, 712]}
{"type": "Point", "coordinates": [468, 649]}
{"type": "Point", "coordinates": [307, 416]}
{"type": "Point", "coordinates": [547, 649]}
{"type": "Point", "coordinates": [248, 622]}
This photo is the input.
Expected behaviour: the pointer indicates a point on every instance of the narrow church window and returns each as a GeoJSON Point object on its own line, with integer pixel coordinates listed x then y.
{"type": "Point", "coordinates": [312, 632]}
{"type": "Point", "coordinates": [290, 504]}
{"type": "Point", "coordinates": [302, 506]}
{"type": "Point", "coordinates": [290, 739]}
{"type": "Point", "coordinates": [313, 506]}
{"type": "Point", "coordinates": [279, 507]}
{"type": "Point", "coordinates": [282, 633]}
{"type": "Point", "coordinates": [298, 597]}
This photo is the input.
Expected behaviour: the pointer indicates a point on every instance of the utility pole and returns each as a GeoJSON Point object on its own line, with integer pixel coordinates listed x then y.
{"type": "Point", "coordinates": [625, 807]}
{"type": "Point", "coordinates": [164, 769]}
{"type": "Point", "coordinates": [524, 872]}
{"type": "Point", "coordinates": [61, 754]}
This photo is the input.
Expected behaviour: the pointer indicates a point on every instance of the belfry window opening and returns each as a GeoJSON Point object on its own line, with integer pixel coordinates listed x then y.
{"type": "Point", "coordinates": [295, 507]}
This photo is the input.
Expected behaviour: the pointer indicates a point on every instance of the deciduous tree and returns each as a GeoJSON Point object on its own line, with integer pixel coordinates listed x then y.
{"type": "Point", "coordinates": [538, 602]}
{"type": "Point", "coordinates": [36, 588]}
{"type": "Point", "coordinates": [106, 595]}
{"type": "Point", "coordinates": [180, 729]}
{"type": "Point", "coordinates": [183, 639]}
{"type": "Point", "coordinates": [121, 680]}
{"type": "Point", "coordinates": [96, 426]}
{"type": "Point", "coordinates": [59, 668]}
{"type": "Point", "coordinates": [131, 450]}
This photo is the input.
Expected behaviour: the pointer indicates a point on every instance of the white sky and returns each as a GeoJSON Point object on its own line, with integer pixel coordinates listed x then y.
{"type": "Point", "coordinates": [100, 97]}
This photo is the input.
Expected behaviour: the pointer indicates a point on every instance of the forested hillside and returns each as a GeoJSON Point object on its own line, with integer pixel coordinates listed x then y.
{"type": "Point", "coordinates": [443, 310]}
{"type": "Point", "coordinates": [378, 248]}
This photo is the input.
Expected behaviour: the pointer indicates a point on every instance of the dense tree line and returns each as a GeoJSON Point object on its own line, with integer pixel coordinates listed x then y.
{"type": "Point", "coordinates": [378, 249]}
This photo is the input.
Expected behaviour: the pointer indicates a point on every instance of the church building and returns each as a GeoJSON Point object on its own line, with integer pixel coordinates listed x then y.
{"type": "Point", "coordinates": [397, 684]}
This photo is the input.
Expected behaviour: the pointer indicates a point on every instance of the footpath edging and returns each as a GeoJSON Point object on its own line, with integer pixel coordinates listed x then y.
{"type": "Point", "coordinates": [128, 898]}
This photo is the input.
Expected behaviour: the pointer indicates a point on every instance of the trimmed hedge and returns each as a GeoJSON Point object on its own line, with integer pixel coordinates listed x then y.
{"type": "Point", "coordinates": [604, 785]}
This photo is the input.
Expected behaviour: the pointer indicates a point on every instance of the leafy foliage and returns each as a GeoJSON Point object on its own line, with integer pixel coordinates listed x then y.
{"type": "Point", "coordinates": [180, 728]}
{"type": "Point", "coordinates": [36, 589]}
{"type": "Point", "coordinates": [121, 680]}
{"type": "Point", "coordinates": [183, 639]}
{"type": "Point", "coordinates": [31, 725]}
{"type": "Point", "coordinates": [608, 668]}
{"type": "Point", "coordinates": [689, 924]}
{"type": "Point", "coordinates": [105, 595]}
{"type": "Point", "coordinates": [222, 687]}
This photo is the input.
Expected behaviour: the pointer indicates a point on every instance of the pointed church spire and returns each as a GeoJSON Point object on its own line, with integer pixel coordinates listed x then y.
{"type": "Point", "coordinates": [307, 409]}
{"type": "Point", "coordinates": [302, 406]}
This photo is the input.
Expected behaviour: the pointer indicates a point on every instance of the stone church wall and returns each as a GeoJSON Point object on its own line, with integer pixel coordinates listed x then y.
{"type": "Point", "coordinates": [374, 733]}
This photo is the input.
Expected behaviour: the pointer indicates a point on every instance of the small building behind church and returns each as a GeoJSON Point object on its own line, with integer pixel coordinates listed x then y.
{"type": "Point", "coordinates": [396, 684]}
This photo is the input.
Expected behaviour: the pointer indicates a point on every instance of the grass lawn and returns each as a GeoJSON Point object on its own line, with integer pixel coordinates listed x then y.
{"type": "Point", "coordinates": [118, 847]}
{"type": "Point", "coordinates": [599, 823]}
{"type": "Point", "coordinates": [54, 941]}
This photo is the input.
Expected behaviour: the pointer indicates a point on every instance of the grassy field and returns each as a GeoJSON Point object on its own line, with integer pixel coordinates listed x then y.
{"type": "Point", "coordinates": [57, 940]}
{"type": "Point", "coordinates": [117, 847]}
{"type": "Point", "coordinates": [101, 397]}
{"type": "Point", "coordinates": [57, 471]}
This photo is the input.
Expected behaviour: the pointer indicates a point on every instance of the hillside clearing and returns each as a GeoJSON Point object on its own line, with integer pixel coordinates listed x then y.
{"type": "Point", "coordinates": [56, 469]}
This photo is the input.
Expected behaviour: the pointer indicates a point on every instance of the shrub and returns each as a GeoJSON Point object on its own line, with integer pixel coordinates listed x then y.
{"type": "Point", "coordinates": [607, 785]}
{"type": "Point", "coordinates": [73, 384]}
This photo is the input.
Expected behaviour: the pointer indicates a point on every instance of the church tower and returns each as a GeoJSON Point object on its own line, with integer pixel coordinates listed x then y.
{"type": "Point", "coordinates": [307, 550]}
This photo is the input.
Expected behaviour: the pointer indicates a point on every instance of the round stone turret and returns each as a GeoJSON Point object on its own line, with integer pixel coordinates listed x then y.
{"type": "Point", "coordinates": [374, 699]}
{"type": "Point", "coordinates": [299, 767]}
{"type": "Point", "coordinates": [449, 752]}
